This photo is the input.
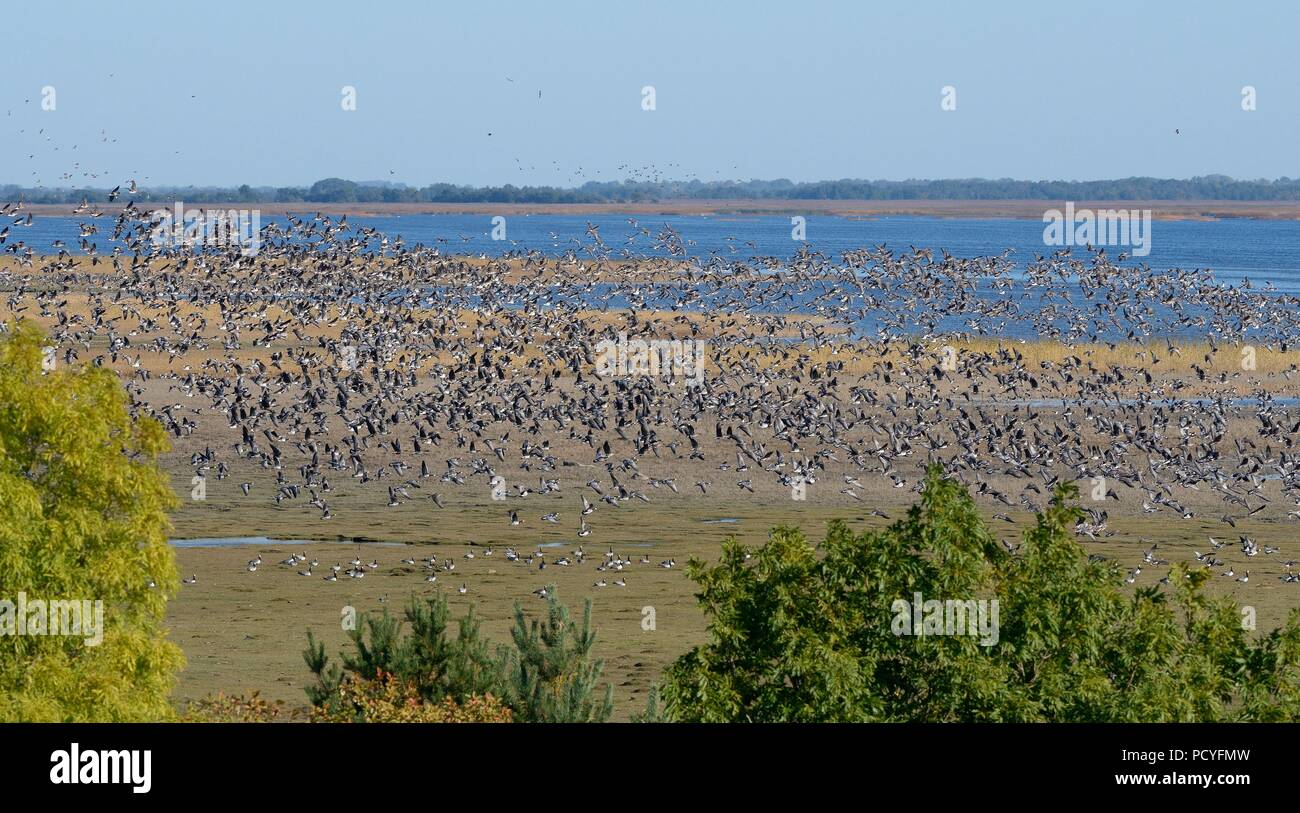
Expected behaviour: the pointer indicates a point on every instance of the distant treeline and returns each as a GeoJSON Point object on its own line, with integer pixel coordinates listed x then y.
{"type": "Point", "coordinates": [338, 190]}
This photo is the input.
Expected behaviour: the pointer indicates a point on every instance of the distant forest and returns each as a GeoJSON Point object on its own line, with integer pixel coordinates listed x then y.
{"type": "Point", "coordinates": [338, 190]}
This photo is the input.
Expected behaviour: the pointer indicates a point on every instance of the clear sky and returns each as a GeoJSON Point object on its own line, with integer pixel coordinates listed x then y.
{"type": "Point", "coordinates": [250, 92]}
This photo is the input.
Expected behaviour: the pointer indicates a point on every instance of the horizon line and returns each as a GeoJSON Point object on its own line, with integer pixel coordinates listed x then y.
{"type": "Point", "coordinates": [695, 182]}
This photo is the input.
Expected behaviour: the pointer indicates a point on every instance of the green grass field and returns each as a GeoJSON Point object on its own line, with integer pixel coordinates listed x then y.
{"type": "Point", "coordinates": [245, 631]}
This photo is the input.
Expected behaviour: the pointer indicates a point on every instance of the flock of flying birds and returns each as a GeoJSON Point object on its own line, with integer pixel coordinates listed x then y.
{"type": "Point", "coordinates": [339, 359]}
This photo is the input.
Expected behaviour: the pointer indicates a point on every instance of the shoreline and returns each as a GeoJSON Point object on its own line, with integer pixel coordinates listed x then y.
{"type": "Point", "coordinates": [974, 209]}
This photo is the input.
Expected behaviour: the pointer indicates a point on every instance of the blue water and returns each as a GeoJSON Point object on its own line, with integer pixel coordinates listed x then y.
{"type": "Point", "coordinates": [234, 541]}
{"type": "Point", "coordinates": [1234, 248]}
{"type": "Point", "coordinates": [1230, 251]}
{"type": "Point", "coordinates": [259, 541]}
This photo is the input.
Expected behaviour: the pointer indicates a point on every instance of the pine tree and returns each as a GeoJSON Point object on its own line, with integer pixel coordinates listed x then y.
{"type": "Point", "coordinates": [436, 665]}
{"type": "Point", "coordinates": [551, 674]}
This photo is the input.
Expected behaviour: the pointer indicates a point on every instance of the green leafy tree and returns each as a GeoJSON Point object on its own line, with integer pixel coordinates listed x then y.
{"type": "Point", "coordinates": [83, 516]}
{"type": "Point", "coordinates": [798, 633]}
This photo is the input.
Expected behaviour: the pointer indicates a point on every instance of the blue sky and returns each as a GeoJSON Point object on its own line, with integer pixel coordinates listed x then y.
{"type": "Point", "coordinates": [232, 92]}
